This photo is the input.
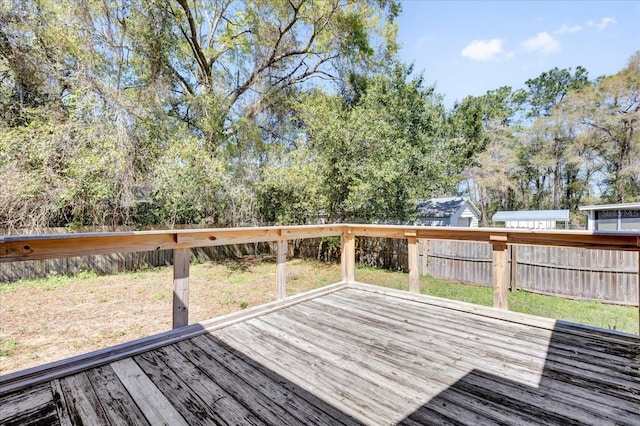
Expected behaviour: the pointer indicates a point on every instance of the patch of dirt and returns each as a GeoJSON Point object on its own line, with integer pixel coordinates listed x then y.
{"type": "Point", "coordinates": [48, 320]}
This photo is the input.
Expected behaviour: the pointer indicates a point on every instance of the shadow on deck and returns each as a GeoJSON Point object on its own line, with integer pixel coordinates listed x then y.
{"type": "Point", "coordinates": [349, 354]}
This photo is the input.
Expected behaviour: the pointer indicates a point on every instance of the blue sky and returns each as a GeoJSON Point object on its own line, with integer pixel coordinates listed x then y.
{"type": "Point", "coordinates": [469, 47]}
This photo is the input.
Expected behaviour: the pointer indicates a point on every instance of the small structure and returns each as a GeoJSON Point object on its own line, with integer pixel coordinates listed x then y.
{"type": "Point", "coordinates": [613, 217]}
{"type": "Point", "coordinates": [532, 219]}
{"type": "Point", "coordinates": [453, 211]}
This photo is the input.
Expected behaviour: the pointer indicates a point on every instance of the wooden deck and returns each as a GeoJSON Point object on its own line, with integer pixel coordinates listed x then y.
{"type": "Point", "coordinates": [349, 354]}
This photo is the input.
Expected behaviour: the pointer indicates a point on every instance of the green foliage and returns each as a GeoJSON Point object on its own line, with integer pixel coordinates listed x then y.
{"type": "Point", "coordinates": [186, 181]}
{"type": "Point", "coordinates": [378, 153]}
{"type": "Point", "coordinates": [172, 109]}
{"type": "Point", "coordinates": [289, 193]}
{"type": "Point", "coordinates": [562, 140]}
{"type": "Point", "coordinates": [8, 347]}
{"type": "Point", "coordinates": [144, 113]}
{"type": "Point", "coordinates": [550, 88]}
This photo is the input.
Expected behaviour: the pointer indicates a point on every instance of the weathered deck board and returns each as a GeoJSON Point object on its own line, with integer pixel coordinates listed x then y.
{"type": "Point", "coordinates": [33, 406]}
{"type": "Point", "coordinates": [116, 401]}
{"type": "Point", "coordinates": [359, 355]}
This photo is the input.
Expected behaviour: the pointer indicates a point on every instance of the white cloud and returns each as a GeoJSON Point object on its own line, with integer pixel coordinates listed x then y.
{"type": "Point", "coordinates": [604, 23]}
{"type": "Point", "coordinates": [543, 42]}
{"type": "Point", "coordinates": [481, 50]}
{"type": "Point", "coordinates": [566, 29]}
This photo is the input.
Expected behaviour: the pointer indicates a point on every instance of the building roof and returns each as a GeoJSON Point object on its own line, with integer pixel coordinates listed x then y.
{"type": "Point", "coordinates": [527, 215]}
{"type": "Point", "coordinates": [443, 207]}
{"type": "Point", "coordinates": [623, 206]}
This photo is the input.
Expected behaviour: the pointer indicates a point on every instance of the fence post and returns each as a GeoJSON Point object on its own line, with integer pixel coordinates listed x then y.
{"type": "Point", "coordinates": [513, 277]}
{"type": "Point", "coordinates": [181, 259]}
{"type": "Point", "coordinates": [348, 256]}
{"type": "Point", "coordinates": [281, 269]}
{"type": "Point", "coordinates": [500, 283]}
{"type": "Point", "coordinates": [414, 268]}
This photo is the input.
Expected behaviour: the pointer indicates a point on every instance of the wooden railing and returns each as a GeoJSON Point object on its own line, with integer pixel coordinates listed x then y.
{"type": "Point", "coordinates": [36, 247]}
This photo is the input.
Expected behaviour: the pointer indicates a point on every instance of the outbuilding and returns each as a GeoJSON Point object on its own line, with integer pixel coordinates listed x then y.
{"type": "Point", "coordinates": [532, 219]}
{"type": "Point", "coordinates": [613, 217]}
{"type": "Point", "coordinates": [453, 211]}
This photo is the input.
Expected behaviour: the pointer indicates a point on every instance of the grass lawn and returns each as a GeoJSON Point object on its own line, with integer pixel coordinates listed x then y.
{"type": "Point", "coordinates": [50, 319]}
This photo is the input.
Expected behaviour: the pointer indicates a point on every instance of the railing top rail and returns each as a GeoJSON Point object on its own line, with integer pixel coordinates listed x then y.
{"type": "Point", "coordinates": [34, 247]}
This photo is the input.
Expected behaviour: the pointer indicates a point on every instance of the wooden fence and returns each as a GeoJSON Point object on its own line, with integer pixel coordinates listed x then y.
{"type": "Point", "coordinates": [604, 275]}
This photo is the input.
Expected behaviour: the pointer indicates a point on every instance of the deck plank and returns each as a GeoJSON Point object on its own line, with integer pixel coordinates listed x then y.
{"type": "Point", "coordinates": [81, 401]}
{"type": "Point", "coordinates": [153, 404]}
{"type": "Point", "coordinates": [261, 406]}
{"type": "Point", "coordinates": [61, 403]}
{"type": "Point", "coordinates": [310, 373]}
{"type": "Point", "coordinates": [601, 342]}
{"type": "Point", "coordinates": [416, 381]}
{"type": "Point", "coordinates": [186, 401]}
{"type": "Point", "coordinates": [614, 364]}
{"type": "Point", "coordinates": [227, 408]}
{"type": "Point", "coordinates": [116, 401]}
{"type": "Point", "coordinates": [309, 408]}
{"type": "Point", "coordinates": [32, 406]}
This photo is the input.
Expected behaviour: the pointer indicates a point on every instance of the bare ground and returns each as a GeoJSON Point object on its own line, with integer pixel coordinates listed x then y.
{"type": "Point", "coordinates": [48, 320]}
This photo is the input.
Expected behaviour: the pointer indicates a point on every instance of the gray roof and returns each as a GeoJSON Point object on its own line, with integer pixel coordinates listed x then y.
{"type": "Point", "coordinates": [526, 215]}
{"type": "Point", "coordinates": [625, 206]}
{"type": "Point", "coordinates": [441, 207]}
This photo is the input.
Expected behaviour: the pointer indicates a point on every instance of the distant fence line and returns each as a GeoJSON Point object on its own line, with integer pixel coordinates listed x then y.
{"type": "Point", "coordinates": [604, 275]}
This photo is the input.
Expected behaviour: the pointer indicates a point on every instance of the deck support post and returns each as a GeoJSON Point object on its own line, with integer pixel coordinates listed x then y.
{"type": "Point", "coordinates": [500, 279]}
{"type": "Point", "coordinates": [181, 259]}
{"type": "Point", "coordinates": [414, 265]}
{"type": "Point", "coordinates": [348, 256]}
{"type": "Point", "coordinates": [281, 269]}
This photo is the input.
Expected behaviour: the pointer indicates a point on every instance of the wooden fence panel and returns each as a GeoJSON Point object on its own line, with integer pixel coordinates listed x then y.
{"type": "Point", "coordinates": [463, 261]}
{"type": "Point", "coordinates": [604, 275]}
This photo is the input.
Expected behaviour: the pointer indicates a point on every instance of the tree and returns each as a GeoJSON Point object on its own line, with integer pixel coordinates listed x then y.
{"type": "Point", "coordinates": [130, 87]}
{"type": "Point", "coordinates": [493, 173]}
{"type": "Point", "coordinates": [378, 154]}
{"type": "Point", "coordinates": [474, 119]}
{"type": "Point", "coordinates": [225, 60]}
{"type": "Point", "coordinates": [290, 191]}
{"type": "Point", "coordinates": [553, 174]}
{"type": "Point", "coordinates": [550, 88]}
{"type": "Point", "coordinates": [610, 111]}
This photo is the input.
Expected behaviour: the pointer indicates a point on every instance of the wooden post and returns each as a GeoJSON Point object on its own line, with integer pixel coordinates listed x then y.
{"type": "Point", "coordinates": [181, 259]}
{"type": "Point", "coordinates": [500, 284]}
{"type": "Point", "coordinates": [281, 269]}
{"type": "Point", "coordinates": [414, 268]}
{"type": "Point", "coordinates": [348, 256]}
{"type": "Point", "coordinates": [513, 277]}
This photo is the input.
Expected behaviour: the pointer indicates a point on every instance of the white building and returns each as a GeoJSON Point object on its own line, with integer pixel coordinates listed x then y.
{"type": "Point", "coordinates": [532, 219]}
{"type": "Point", "coordinates": [613, 217]}
{"type": "Point", "coordinates": [454, 211]}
